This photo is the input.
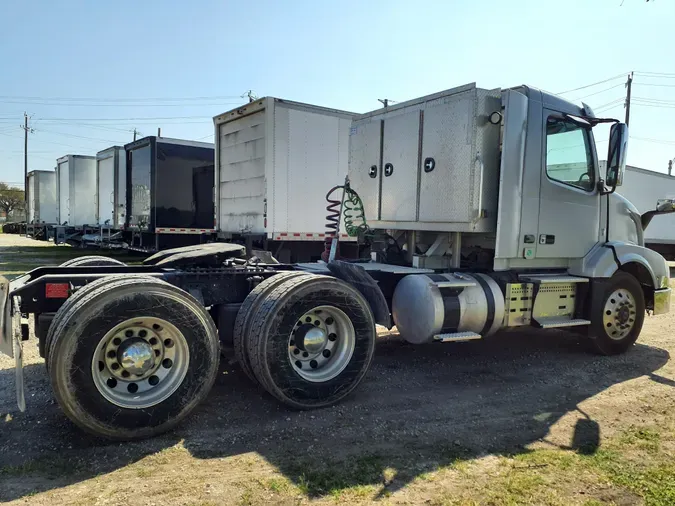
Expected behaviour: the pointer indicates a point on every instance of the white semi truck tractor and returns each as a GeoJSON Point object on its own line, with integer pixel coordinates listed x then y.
{"type": "Point", "coordinates": [476, 210]}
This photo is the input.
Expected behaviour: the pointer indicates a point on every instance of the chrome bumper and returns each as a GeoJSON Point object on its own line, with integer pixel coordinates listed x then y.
{"type": "Point", "coordinates": [661, 301]}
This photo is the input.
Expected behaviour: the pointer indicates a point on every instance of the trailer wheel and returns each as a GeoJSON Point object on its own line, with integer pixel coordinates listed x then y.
{"type": "Point", "coordinates": [91, 261]}
{"type": "Point", "coordinates": [618, 326]}
{"type": "Point", "coordinates": [249, 308]}
{"type": "Point", "coordinates": [311, 341]}
{"type": "Point", "coordinates": [132, 357]}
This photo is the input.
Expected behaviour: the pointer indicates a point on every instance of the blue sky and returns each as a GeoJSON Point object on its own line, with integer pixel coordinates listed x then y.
{"type": "Point", "coordinates": [344, 54]}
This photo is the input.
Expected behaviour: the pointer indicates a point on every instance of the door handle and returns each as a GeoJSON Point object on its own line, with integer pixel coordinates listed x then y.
{"type": "Point", "coordinates": [373, 171]}
{"type": "Point", "coordinates": [388, 169]}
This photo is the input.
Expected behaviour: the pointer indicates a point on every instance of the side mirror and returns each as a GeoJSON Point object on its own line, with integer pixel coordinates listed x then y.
{"type": "Point", "coordinates": [616, 155]}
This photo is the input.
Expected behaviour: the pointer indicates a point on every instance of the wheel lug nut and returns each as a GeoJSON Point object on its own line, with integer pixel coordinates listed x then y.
{"type": "Point", "coordinates": [143, 333]}
{"type": "Point", "coordinates": [308, 319]}
{"type": "Point", "coordinates": [112, 354]}
{"type": "Point", "coordinates": [305, 354]}
{"type": "Point", "coordinates": [114, 366]}
{"type": "Point", "coordinates": [153, 341]}
{"type": "Point", "coordinates": [117, 341]}
{"type": "Point", "coordinates": [129, 333]}
{"type": "Point", "coordinates": [125, 374]}
{"type": "Point", "coordinates": [317, 323]}
{"type": "Point", "coordinates": [296, 351]}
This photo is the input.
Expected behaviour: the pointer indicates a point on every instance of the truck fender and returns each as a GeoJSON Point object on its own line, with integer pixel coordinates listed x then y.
{"type": "Point", "coordinates": [604, 260]}
{"type": "Point", "coordinates": [357, 276]}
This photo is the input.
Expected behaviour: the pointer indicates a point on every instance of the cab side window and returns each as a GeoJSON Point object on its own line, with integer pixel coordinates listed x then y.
{"type": "Point", "coordinates": [569, 157]}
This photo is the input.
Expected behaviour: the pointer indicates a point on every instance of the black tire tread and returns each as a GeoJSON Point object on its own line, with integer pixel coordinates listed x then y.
{"type": "Point", "coordinates": [601, 342]}
{"type": "Point", "coordinates": [242, 323]}
{"type": "Point", "coordinates": [74, 298]}
{"type": "Point", "coordinates": [265, 315]}
{"type": "Point", "coordinates": [70, 318]}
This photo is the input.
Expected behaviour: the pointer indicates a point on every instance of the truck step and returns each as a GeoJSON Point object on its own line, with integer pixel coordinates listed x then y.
{"type": "Point", "coordinates": [455, 337]}
{"type": "Point", "coordinates": [552, 322]}
{"type": "Point", "coordinates": [552, 278]}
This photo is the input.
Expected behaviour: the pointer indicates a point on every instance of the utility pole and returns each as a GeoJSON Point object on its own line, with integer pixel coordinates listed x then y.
{"type": "Point", "coordinates": [251, 96]}
{"type": "Point", "coordinates": [135, 132]}
{"type": "Point", "coordinates": [629, 83]}
{"type": "Point", "coordinates": [384, 101]}
{"type": "Point", "coordinates": [159, 131]}
{"type": "Point", "coordinates": [26, 129]}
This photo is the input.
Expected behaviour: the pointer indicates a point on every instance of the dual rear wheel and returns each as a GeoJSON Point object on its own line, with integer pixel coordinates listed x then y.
{"type": "Point", "coordinates": [131, 356]}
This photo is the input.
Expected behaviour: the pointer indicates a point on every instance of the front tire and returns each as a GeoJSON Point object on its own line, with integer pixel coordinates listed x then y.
{"type": "Point", "coordinates": [311, 341]}
{"type": "Point", "coordinates": [132, 358]}
{"type": "Point", "coordinates": [619, 318]}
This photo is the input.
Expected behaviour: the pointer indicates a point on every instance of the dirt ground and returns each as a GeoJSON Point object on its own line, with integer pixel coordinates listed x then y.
{"type": "Point", "coordinates": [527, 417]}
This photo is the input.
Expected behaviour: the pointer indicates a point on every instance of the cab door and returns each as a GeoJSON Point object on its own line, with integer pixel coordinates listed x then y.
{"type": "Point", "coordinates": [569, 204]}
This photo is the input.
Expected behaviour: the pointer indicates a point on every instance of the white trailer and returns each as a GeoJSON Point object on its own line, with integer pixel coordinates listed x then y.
{"type": "Point", "coordinates": [111, 180]}
{"type": "Point", "coordinates": [42, 197]}
{"type": "Point", "coordinates": [641, 187]}
{"type": "Point", "coordinates": [76, 188]}
{"type": "Point", "coordinates": [275, 161]}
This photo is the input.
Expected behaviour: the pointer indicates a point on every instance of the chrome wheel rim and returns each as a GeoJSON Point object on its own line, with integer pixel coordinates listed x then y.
{"type": "Point", "coordinates": [321, 344]}
{"type": "Point", "coordinates": [619, 314]}
{"type": "Point", "coordinates": [140, 362]}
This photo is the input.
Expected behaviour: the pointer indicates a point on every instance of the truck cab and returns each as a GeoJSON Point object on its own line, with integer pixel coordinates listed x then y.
{"type": "Point", "coordinates": [500, 193]}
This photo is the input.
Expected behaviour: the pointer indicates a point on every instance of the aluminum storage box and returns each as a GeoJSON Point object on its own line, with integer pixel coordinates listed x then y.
{"type": "Point", "coordinates": [275, 162]}
{"type": "Point", "coordinates": [42, 197]}
{"type": "Point", "coordinates": [111, 179]}
{"type": "Point", "coordinates": [170, 184]}
{"type": "Point", "coordinates": [76, 189]}
{"type": "Point", "coordinates": [430, 163]}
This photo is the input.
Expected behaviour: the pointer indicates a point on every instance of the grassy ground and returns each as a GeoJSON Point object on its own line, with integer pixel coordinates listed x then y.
{"type": "Point", "coordinates": [20, 254]}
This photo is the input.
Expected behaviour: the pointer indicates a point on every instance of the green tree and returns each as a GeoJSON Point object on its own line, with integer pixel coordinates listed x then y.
{"type": "Point", "coordinates": [11, 199]}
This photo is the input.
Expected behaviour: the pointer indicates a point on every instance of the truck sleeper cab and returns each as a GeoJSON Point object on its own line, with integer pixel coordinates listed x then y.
{"type": "Point", "coordinates": [535, 236]}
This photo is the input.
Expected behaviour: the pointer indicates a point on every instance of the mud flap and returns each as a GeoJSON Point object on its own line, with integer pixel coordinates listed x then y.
{"type": "Point", "coordinates": [18, 353]}
{"type": "Point", "coordinates": [357, 276]}
{"type": "Point", "coordinates": [6, 339]}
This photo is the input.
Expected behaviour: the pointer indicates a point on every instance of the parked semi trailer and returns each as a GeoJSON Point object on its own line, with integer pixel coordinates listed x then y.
{"type": "Point", "coordinates": [75, 189]}
{"type": "Point", "coordinates": [640, 187]}
{"type": "Point", "coordinates": [495, 196]}
{"type": "Point", "coordinates": [169, 193]}
{"type": "Point", "coordinates": [275, 160]}
{"type": "Point", "coordinates": [42, 208]}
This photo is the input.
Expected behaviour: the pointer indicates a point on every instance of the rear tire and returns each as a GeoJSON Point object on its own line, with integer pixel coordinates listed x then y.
{"type": "Point", "coordinates": [91, 261]}
{"type": "Point", "coordinates": [73, 299]}
{"type": "Point", "coordinates": [618, 322]}
{"type": "Point", "coordinates": [333, 344]}
{"type": "Point", "coordinates": [87, 361]}
{"type": "Point", "coordinates": [242, 324]}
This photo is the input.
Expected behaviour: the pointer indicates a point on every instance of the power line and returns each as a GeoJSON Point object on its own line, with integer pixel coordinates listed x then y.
{"type": "Point", "coordinates": [598, 92]}
{"type": "Point", "coordinates": [656, 141]}
{"type": "Point", "coordinates": [120, 99]}
{"type": "Point", "coordinates": [656, 100]}
{"type": "Point", "coordinates": [592, 84]}
{"type": "Point", "coordinates": [115, 105]}
{"type": "Point", "coordinates": [129, 119]}
{"type": "Point", "coordinates": [77, 136]}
